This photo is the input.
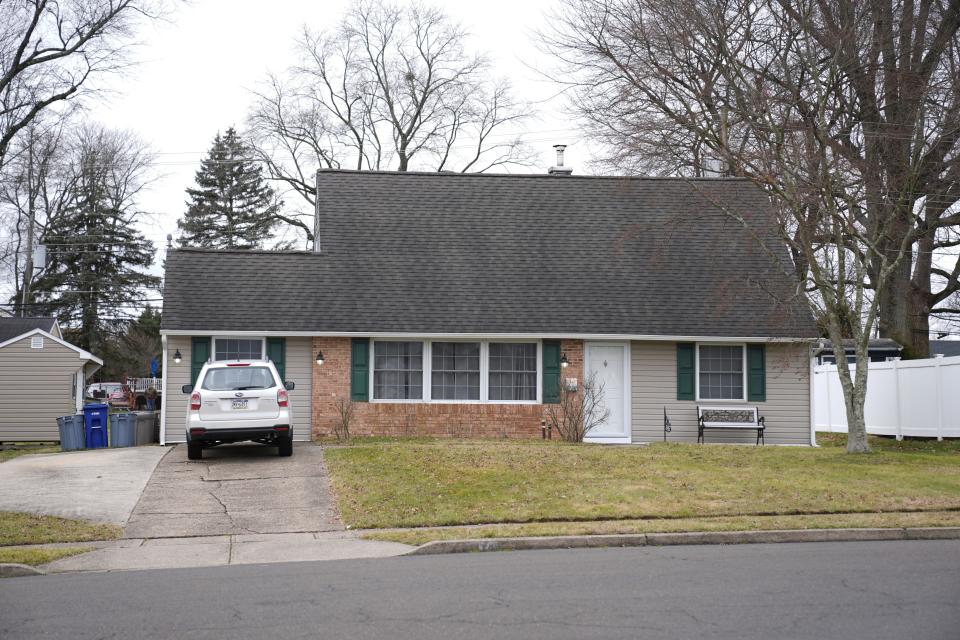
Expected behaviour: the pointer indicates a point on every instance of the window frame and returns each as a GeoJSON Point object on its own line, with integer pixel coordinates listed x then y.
{"type": "Point", "coordinates": [484, 370]}
{"type": "Point", "coordinates": [213, 345]}
{"type": "Point", "coordinates": [743, 370]}
{"type": "Point", "coordinates": [424, 367]}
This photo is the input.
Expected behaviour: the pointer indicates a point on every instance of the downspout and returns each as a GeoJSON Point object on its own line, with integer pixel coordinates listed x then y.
{"type": "Point", "coordinates": [165, 396]}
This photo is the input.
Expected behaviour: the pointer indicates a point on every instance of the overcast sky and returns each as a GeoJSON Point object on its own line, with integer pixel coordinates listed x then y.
{"type": "Point", "coordinates": [197, 72]}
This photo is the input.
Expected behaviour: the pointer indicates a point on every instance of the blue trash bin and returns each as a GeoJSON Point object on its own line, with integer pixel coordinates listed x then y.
{"type": "Point", "coordinates": [123, 430]}
{"type": "Point", "coordinates": [71, 432]}
{"type": "Point", "coordinates": [95, 425]}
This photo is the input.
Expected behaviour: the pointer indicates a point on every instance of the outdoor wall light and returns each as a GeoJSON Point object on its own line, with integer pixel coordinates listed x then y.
{"type": "Point", "coordinates": [177, 358]}
{"type": "Point", "coordinates": [319, 358]}
{"type": "Point", "coordinates": [563, 361]}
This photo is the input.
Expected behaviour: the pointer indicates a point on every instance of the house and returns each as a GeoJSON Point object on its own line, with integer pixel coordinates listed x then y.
{"type": "Point", "coordinates": [446, 304]}
{"type": "Point", "coordinates": [42, 377]}
{"type": "Point", "coordinates": [878, 350]}
{"type": "Point", "coordinates": [945, 348]}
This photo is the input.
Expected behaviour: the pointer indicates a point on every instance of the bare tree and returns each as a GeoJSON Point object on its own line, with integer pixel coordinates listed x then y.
{"type": "Point", "coordinates": [50, 50]}
{"type": "Point", "coordinates": [34, 188]}
{"type": "Point", "coordinates": [861, 162]}
{"type": "Point", "coordinates": [391, 87]}
{"type": "Point", "coordinates": [580, 410]}
{"type": "Point", "coordinates": [95, 280]}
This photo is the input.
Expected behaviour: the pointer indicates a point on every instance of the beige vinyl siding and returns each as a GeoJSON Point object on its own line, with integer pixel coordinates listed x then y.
{"type": "Point", "coordinates": [174, 399]}
{"type": "Point", "coordinates": [299, 360]}
{"type": "Point", "coordinates": [36, 387]}
{"type": "Point", "coordinates": [654, 386]}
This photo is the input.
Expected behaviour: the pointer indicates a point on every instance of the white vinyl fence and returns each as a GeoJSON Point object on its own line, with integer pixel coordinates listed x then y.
{"type": "Point", "coordinates": [904, 398]}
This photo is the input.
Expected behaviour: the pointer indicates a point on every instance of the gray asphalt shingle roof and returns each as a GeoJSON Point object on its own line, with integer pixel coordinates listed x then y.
{"type": "Point", "coordinates": [13, 327]}
{"type": "Point", "coordinates": [480, 253]}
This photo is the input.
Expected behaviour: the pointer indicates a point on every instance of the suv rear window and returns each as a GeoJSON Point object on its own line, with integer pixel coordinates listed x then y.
{"type": "Point", "coordinates": [237, 379]}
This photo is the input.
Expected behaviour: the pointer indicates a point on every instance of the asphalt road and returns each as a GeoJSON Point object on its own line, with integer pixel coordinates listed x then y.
{"type": "Point", "coordinates": [847, 590]}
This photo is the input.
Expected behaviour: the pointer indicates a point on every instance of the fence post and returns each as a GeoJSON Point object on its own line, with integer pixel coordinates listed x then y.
{"type": "Point", "coordinates": [939, 361]}
{"type": "Point", "coordinates": [829, 402]}
{"type": "Point", "coordinates": [896, 395]}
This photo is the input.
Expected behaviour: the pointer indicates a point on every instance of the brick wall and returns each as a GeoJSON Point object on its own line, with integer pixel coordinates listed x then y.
{"type": "Point", "coordinates": [332, 382]}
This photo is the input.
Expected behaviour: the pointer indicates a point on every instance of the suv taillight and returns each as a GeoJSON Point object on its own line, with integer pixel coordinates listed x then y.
{"type": "Point", "coordinates": [282, 397]}
{"type": "Point", "coordinates": [195, 401]}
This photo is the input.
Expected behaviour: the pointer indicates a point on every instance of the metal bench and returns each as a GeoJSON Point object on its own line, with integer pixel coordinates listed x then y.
{"type": "Point", "coordinates": [729, 418]}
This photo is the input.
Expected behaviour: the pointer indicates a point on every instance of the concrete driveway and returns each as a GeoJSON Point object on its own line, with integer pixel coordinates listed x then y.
{"type": "Point", "coordinates": [98, 484]}
{"type": "Point", "coordinates": [236, 489]}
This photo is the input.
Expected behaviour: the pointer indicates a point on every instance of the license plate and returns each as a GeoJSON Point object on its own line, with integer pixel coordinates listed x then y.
{"type": "Point", "coordinates": [240, 404]}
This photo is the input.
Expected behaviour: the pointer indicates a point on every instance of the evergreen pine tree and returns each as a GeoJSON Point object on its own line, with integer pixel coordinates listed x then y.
{"type": "Point", "coordinates": [231, 206]}
{"type": "Point", "coordinates": [94, 280]}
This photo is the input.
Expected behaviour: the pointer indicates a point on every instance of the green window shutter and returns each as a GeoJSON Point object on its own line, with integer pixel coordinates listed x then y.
{"type": "Point", "coordinates": [199, 354]}
{"type": "Point", "coordinates": [686, 371]}
{"type": "Point", "coordinates": [551, 372]}
{"type": "Point", "coordinates": [277, 352]}
{"type": "Point", "coordinates": [360, 370]}
{"type": "Point", "coordinates": [756, 373]}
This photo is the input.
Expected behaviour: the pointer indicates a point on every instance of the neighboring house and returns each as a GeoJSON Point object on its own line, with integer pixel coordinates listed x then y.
{"type": "Point", "coordinates": [445, 304]}
{"type": "Point", "coordinates": [945, 348]}
{"type": "Point", "coordinates": [878, 350]}
{"type": "Point", "coordinates": [42, 377]}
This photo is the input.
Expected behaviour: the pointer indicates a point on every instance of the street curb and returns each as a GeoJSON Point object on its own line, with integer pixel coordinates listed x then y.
{"type": "Point", "coordinates": [670, 539]}
{"type": "Point", "coordinates": [13, 570]}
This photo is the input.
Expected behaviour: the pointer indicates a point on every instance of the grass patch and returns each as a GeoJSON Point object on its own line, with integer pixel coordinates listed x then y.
{"type": "Point", "coordinates": [396, 483]}
{"type": "Point", "coordinates": [28, 528]}
{"type": "Point", "coordinates": [34, 557]}
{"type": "Point", "coordinates": [735, 523]}
{"type": "Point", "coordinates": [22, 449]}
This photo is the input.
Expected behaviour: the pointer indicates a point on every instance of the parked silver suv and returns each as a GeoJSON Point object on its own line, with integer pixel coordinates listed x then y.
{"type": "Point", "coordinates": [236, 401]}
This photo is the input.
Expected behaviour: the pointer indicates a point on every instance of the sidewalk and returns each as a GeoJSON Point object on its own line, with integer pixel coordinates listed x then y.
{"type": "Point", "coordinates": [215, 551]}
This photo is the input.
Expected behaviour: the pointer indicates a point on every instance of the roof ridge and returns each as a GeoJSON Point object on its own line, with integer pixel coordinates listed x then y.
{"type": "Point", "coordinates": [534, 175]}
{"type": "Point", "coordinates": [278, 252]}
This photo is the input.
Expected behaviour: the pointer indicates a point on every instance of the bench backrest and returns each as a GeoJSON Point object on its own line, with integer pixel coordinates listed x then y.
{"type": "Point", "coordinates": [728, 416]}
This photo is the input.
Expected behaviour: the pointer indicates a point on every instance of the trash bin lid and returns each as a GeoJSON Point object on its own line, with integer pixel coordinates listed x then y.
{"type": "Point", "coordinates": [95, 406]}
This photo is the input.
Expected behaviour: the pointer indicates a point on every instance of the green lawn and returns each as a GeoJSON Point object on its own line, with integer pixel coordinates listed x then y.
{"type": "Point", "coordinates": [43, 555]}
{"type": "Point", "coordinates": [397, 483]}
{"type": "Point", "coordinates": [28, 528]}
{"type": "Point", "coordinates": [26, 448]}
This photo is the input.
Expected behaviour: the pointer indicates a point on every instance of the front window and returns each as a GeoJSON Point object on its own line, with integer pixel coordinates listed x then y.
{"type": "Point", "coordinates": [513, 371]}
{"type": "Point", "coordinates": [456, 371]}
{"type": "Point", "coordinates": [238, 349]}
{"type": "Point", "coordinates": [721, 372]}
{"type": "Point", "coordinates": [237, 379]}
{"type": "Point", "coordinates": [398, 370]}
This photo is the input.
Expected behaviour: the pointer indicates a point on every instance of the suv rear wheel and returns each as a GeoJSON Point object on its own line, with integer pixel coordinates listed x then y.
{"type": "Point", "coordinates": [285, 447]}
{"type": "Point", "coordinates": [194, 451]}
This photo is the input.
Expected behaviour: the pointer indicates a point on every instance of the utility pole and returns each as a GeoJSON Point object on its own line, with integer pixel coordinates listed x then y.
{"type": "Point", "coordinates": [31, 223]}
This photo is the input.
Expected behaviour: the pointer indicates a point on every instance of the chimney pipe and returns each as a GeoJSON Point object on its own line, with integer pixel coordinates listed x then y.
{"type": "Point", "coordinates": [559, 169]}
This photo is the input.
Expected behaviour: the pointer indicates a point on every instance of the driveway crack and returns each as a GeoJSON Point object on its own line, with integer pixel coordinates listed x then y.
{"type": "Point", "coordinates": [227, 513]}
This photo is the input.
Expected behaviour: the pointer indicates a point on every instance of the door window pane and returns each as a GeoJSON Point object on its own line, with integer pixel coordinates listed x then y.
{"type": "Point", "coordinates": [456, 371]}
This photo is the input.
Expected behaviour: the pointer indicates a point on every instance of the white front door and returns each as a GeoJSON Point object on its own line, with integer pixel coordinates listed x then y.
{"type": "Point", "coordinates": [609, 364]}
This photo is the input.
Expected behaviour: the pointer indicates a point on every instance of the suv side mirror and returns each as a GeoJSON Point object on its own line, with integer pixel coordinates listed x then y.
{"type": "Point", "coordinates": [289, 386]}
{"type": "Point", "coordinates": [187, 388]}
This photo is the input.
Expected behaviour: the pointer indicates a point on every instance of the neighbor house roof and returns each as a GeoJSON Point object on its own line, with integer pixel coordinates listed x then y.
{"type": "Point", "coordinates": [529, 254]}
{"type": "Point", "coordinates": [13, 327]}
{"type": "Point", "coordinates": [945, 348]}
